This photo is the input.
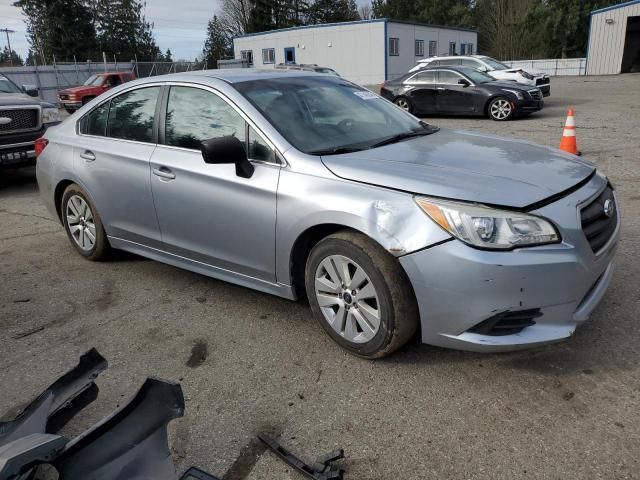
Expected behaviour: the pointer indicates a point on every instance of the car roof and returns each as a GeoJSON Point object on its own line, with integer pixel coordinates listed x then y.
{"type": "Point", "coordinates": [234, 75]}
{"type": "Point", "coordinates": [452, 57]}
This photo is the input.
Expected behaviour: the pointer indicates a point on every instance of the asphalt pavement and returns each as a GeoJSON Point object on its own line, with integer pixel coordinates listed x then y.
{"type": "Point", "coordinates": [250, 362]}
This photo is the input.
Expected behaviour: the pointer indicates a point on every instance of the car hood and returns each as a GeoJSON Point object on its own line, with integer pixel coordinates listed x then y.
{"type": "Point", "coordinates": [17, 99]}
{"type": "Point", "coordinates": [77, 89]}
{"type": "Point", "coordinates": [465, 166]}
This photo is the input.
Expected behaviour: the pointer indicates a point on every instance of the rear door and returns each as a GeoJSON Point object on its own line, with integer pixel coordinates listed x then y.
{"type": "Point", "coordinates": [207, 213]}
{"type": "Point", "coordinates": [422, 91]}
{"type": "Point", "coordinates": [453, 98]}
{"type": "Point", "coordinates": [111, 158]}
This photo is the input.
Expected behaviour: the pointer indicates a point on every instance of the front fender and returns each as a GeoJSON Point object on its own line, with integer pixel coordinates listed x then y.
{"type": "Point", "coordinates": [389, 217]}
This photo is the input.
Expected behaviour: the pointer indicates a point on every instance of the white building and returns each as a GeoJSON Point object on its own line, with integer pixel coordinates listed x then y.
{"type": "Point", "coordinates": [614, 39]}
{"type": "Point", "coordinates": [366, 51]}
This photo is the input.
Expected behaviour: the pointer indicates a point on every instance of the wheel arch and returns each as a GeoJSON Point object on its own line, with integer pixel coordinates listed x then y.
{"type": "Point", "coordinates": [302, 247]}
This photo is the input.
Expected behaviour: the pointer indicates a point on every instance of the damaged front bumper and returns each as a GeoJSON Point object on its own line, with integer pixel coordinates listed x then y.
{"type": "Point", "coordinates": [488, 301]}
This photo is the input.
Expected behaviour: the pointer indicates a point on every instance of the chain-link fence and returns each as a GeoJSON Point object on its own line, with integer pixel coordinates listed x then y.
{"type": "Point", "coordinates": [49, 79]}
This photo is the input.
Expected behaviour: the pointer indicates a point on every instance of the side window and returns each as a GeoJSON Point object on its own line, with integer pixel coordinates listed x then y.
{"type": "Point", "coordinates": [114, 80]}
{"type": "Point", "coordinates": [466, 62]}
{"type": "Point", "coordinates": [268, 55]}
{"type": "Point", "coordinates": [95, 122]}
{"type": "Point", "coordinates": [423, 78]}
{"type": "Point", "coordinates": [452, 48]}
{"type": "Point", "coordinates": [194, 115]}
{"type": "Point", "coordinates": [258, 149]}
{"type": "Point", "coordinates": [419, 48]}
{"type": "Point", "coordinates": [446, 77]}
{"type": "Point", "coordinates": [131, 115]}
{"type": "Point", "coordinates": [450, 61]}
{"type": "Point", "coordinates": [433, 48]}
{"type": "Point", "coordinates": [394, 46]}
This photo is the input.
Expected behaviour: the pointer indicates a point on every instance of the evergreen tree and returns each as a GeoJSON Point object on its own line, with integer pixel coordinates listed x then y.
{"type": "Point", "coordinates": [217, 45]}
{"type": "Point", "coordinates": [10, 58]}
{"type": "Point", "coordinates": [60, 28]}
{"type": "Point", "coordinates": [331, 11]}
{"type": "Point", "coordinates": [123, 30]}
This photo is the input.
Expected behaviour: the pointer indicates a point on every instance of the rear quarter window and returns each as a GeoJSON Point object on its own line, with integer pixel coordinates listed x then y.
{"type": "Point", "coordinates": [95, 122]}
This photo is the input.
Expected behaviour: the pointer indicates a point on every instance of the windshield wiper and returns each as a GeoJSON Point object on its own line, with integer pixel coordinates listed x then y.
{"type": "Point", "coordinates": [336, 151]}
{"type": "Point", "coordinates": [428, 130]}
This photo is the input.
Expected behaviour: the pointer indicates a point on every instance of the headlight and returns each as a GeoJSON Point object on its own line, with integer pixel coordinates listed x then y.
{"type": "Point", "coordinates": [50, 115]}
{"type": "Point", "coordinates": [485, 227]}
{"type": "Point", "coordinates": [517, 93]}
{"type": "Point", "coordinates": [526, 75]}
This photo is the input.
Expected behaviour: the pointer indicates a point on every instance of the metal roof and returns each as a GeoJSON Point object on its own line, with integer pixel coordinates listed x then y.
{"type": "Point", "coordinates": [614, 7]}
{"type": "Point", "coordinates": [355, 22]}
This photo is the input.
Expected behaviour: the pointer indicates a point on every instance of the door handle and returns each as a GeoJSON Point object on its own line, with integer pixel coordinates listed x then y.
{"type": "Point", "coordinates": [440, 88]}
{"type": "Point", "coordinates": [88, 155]}
{"type": "Point", "coordinates": [164, 172]}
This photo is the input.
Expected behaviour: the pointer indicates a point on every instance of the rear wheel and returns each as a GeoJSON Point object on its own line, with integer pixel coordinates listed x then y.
{"type": "Point", "coordinates": [500, 109]}
{"type": "Point", "coordinates": [360, 295]}
{"type": "Point", "coordinates": [404, 104]}
{"type": "Point", "coordinates": [83, 225]}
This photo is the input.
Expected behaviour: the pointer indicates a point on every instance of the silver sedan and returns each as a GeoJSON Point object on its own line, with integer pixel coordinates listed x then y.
{"type": "Point", "coordinates": [295, 183]}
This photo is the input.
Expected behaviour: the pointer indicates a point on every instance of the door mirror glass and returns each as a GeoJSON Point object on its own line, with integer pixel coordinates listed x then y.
{"type": "Point", "coordinates": [227, 149]}
{"type": "Point", "coordinates": [464, 82]}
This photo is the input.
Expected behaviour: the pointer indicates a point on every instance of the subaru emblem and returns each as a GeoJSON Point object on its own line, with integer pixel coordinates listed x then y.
{"type": "Point", "coordinates": [609, 207]}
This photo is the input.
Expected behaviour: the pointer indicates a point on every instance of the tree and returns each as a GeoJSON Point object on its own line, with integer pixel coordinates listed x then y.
{"type": "Point", "coordinates": [331, 11]}
{"type": "Point", "coordinates": [123, 30]}
{"type": "Point", "coordinates": [365, 12]}
{"type": "Point", "coordinates": [235, 16]}
{"type": "Point", "coordinates": [457, 13]}
{"type": "Point", "coordinates": [10, 58]}
{"type": "Point", "coordinates": [217, 45]}
{"type": "Point", "coordinates": [60, 28]}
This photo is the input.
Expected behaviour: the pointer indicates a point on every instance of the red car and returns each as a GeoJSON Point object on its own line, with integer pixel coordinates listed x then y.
{"type": "Point", "coordinates": [74, 98]}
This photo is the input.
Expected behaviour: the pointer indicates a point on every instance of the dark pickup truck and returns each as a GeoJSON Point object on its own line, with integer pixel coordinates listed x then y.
{"type": "Point", "coordinates": [23, 119]}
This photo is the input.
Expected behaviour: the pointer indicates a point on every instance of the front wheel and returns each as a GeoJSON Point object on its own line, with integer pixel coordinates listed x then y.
{"type": "Point", "coordinates": [360, 295]}
{"type": "Point", "coordinates": [500, 109]}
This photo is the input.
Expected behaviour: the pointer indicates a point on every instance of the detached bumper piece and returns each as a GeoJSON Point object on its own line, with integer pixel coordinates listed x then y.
{"type": "Point", "coordinates": [322, 469]}
{"type": "Point", "coordinates": [54, 407]}
{"type": "Point", "coordinates": [130, 444]}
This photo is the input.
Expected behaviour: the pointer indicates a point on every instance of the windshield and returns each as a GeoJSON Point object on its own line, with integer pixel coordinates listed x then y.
{"type": "Point", "coordinates": [477, 77]}
{"type": "Point", "coordinates": [94, 80]}
{"type": "Point", "coordinates": [495, 64]}
{"type": "Point", "coordinates": [327, 114]}
{"type": "Point", "coordinates": [7, 86]}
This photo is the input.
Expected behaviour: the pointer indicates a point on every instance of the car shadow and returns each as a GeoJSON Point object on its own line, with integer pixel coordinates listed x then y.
{"type": "Point", "coordinates": [21, 178]}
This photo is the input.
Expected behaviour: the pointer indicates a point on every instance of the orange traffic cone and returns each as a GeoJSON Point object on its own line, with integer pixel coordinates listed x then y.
{"type": "Point", "coordinates": [568, 142]}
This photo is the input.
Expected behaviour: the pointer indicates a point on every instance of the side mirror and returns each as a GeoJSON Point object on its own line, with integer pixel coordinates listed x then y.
{"type": "Point", "coordinates": [464, 82]}
{"type": "Point", "coordinates": [227, 150]}
{"type": "Point", "coordinates": [30, 90]}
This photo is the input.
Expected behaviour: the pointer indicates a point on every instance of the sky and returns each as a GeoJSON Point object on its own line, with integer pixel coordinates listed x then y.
{"type": "Point", "coordinates": [178, 24]}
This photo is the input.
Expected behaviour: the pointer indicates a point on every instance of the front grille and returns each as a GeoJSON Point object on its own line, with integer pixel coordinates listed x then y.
{"type": "Point", "coordinates": [507, 323]}
{"type": "Point", "coordinates": [536, 94]}
{"type": "Point", "coordinates": [19, 119]}
{"type": "Point", "coordinates": [598, 225]}
{"type": "Point", "coordinates": [542, 80]}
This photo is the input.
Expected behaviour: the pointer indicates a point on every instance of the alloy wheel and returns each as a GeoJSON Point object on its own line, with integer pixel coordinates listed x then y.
{"type": "Point", "coordinates": [501, 109]}
{"type": "Point", "coordinates": [347, 298]}
{"type": "Point", "coordinates": [402, 103]}
{"type": "Point", "coordinates": [80, 222]}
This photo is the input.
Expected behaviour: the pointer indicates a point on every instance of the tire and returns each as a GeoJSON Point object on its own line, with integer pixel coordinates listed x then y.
{"type": "Point", "coordinates": [82, 222]}
{"type": "Point", "coordinates": [385, 293]}
{"type": "Point", "coordinates": [404, 103]}
{"type": "Point", "coordinates": [500, 109]}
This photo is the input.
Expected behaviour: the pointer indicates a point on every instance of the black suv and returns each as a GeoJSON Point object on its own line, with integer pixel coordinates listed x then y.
{"type": "Point", "coordinates": [23, 119]}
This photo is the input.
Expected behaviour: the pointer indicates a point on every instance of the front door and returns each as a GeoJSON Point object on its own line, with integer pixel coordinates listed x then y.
{"type": "Point", "coordinates": [289, 55]}
{"type": "Point", "coordinates": [453, 97]}
{"type": "Point", "coordinates": [206, 212]}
